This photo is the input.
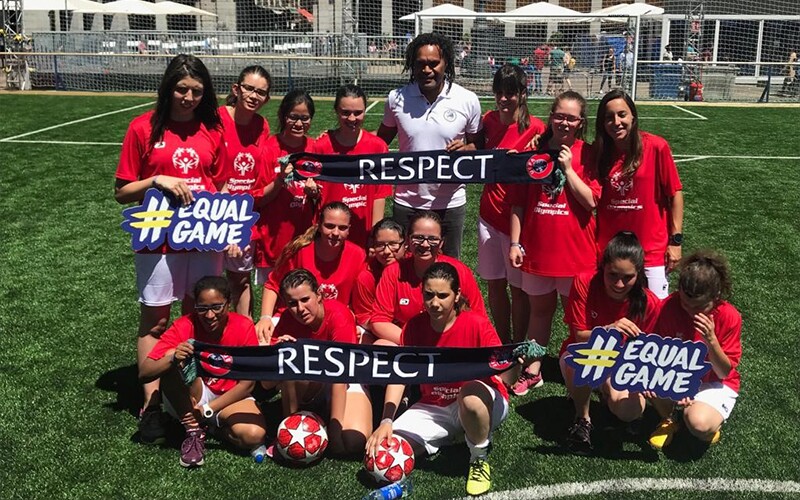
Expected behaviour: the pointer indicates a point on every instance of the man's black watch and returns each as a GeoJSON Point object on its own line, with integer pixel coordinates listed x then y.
{"type": "Point", "coordinates": [676, 239]}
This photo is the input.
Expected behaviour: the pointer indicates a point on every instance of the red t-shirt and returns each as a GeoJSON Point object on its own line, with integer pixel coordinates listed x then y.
{"type": "Point", "coordinates": [494, 207]}
{"type": "Point", "coordinates": [187, 150]}
{"type": "Point", "coordinates": [398, 296]}
{"type": "Point", "coordinates": [363, 299]}
{"type": "Point", "coordinates": [336, 278]}
{"type": "Point", "coordinates": [469, 330]}
{"type": "Point", "coordinates": [540, 57]}
{"type": "Point", "coordinates": [359, 197]}
{"type": "Point", "coordinates": [337, 325]}
{"type": "Point", "coordinates": [558, 233]}
{"type": "Point", "coordinates": [640, 203]}
{"type": "Point", "coordinates": [288, 215]}
{"type": "Point", "coordinates": [673, 321]}
{"type": "Point", "coordinates": [589, 306]}
{"type": "Point", "coordinates": [237, 333]}
{"type": "Point", "coordinates": [251, 164]}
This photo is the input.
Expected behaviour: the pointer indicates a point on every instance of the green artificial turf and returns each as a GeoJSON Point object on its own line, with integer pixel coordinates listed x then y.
{"type": "Point", "coordinates": [68, 316]}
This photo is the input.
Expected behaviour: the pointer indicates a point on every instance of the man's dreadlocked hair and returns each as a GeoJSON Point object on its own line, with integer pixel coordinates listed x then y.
{"type": "Point", "coordinates": [445, 47]}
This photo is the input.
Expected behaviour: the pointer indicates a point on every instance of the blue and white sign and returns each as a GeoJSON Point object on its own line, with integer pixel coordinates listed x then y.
{"type": "Point", "coordinates": [211, 223]}
{"type": "Point", "coordinates": [669, 367]}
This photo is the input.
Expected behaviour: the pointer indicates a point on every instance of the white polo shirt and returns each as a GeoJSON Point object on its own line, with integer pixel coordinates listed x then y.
{"type": "Point", "coordinates": [423, 126]}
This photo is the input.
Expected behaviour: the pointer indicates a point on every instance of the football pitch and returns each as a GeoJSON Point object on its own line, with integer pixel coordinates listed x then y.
{"type": "Point", "coordinates": [68, 317]}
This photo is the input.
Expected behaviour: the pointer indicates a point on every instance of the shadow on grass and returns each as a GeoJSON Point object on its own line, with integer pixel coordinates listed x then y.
{"type": "Point", "coordinates": [551, 417]}
{"type": "Point", "coordinates": [124, 381]}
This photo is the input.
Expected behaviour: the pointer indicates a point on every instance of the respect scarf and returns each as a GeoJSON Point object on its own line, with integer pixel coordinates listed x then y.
{"type": "Point", "coordinates": [333, 362]}
{"type": "Point", "coordinates": [423, 167]}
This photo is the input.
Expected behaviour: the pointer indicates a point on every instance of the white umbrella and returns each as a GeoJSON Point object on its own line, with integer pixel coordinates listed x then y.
{"type": "Point", "coordinates": [540, 12]}
{"type": "Point", "coordinates": [76, 5]}
{"type": "Point", "coordinates": [169, 7]}
{"type": "Point", "coordinates": [628, 10]}
{"type": "Point", "coordinates": [443, 11]}
{"type": "Point", "coordinates": [132, 7]}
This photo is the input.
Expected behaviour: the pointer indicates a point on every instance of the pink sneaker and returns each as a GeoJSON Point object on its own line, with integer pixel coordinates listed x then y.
{"type": "Point", "coordinates": [526, 382]}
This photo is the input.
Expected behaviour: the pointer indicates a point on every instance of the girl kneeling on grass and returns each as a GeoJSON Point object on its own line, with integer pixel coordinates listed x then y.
{"type": "Point", "coordinates": [324, 250]}
{"type": "Point", "coordinates": [448, 411]}
{"type": "Point", "coordinates": [309, 316]}
{"type": "Point", "coordinates": [209, 402]}
{"type": "Point", "coordinates": [699, 311]}
{"type": "Point", "coordinates": [615, 296]}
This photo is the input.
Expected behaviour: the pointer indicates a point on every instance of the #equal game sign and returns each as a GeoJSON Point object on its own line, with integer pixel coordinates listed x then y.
{"type": "Point", "coordinates": [211, 223]}
{"type": "Point", "coordinates": [669, 367]}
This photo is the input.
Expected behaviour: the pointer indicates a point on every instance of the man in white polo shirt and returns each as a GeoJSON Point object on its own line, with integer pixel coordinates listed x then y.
{"type": "Point", "coordinates": [432, 112]}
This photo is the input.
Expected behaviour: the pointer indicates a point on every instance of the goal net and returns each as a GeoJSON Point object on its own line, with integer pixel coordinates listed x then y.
{"type": "Point", "coordinates": [679, 49]}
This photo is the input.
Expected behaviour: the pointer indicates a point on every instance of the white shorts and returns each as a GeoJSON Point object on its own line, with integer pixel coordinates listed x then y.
{"type": "Point", "coordinates": [534, 285]}
{"type": "Point", "coordinates": [207, 397]}
{"type": "Point", "coordinates": [243, 264]}
{"type": "Point", "coordinates": [164, 278]}
{"type": "Point", "coordinates": [657, 281]}
{"type": "Point", "coordinates": [437, 426]}
{"type": "Point", "coordinates": [262, 275]}
{"type": "Point", "coordinates": [718, 396]}
{"type": "Point", "coordinates": [493, 262]}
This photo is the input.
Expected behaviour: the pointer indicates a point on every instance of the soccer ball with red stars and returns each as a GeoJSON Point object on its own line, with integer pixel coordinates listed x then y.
{"type": "Point", "coordinates": [393, 460]}
{"type": "Point", "coordinates": [302, 438]}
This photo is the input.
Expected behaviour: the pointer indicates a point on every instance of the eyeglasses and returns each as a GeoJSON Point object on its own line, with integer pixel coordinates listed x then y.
{"type": "Point", "coordinates": [215, 308]}
{"type": "Point", "coordinates": [298, 118]}
{"type": "Point", "coordinates": [564, 118]}
{"type": "Point", "coordinates": [391, 245]}
{"type": "Point", "coordinates": [263, 93]}
{"type": "Point", "coordinates": [420, 239]}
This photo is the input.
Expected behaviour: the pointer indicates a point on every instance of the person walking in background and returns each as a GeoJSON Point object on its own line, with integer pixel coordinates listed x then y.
{"type": "Point", "coordinates": [607, 66]}
{"type": "Point", "coordinates": [539, 60]}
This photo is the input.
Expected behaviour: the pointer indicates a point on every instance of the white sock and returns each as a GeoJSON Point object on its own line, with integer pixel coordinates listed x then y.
{"type": "Point", "coordinates": [478, 451]}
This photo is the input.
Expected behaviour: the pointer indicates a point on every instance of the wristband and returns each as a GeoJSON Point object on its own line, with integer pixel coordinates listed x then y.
{"type": "Point", "coordinates": [265, 316]}
{"type": "Point", "coordinates": [207, 411]}
{"type": "Point", "coordinates": [519, 245]}
{"type": "Point", "coordinates": [386, 421]}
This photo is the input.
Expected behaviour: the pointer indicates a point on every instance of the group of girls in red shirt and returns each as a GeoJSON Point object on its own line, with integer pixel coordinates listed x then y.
{"type": "Point", "coordinates": [332, 268]}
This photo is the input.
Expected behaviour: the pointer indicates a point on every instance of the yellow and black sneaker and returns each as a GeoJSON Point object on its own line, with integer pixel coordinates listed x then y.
{"type": "Point", "coordinates": [479, 479]}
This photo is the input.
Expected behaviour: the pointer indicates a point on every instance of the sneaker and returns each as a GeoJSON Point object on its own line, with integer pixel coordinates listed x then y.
{"type": "Point", "coordinates": [193, 449]}
{"type": "Point", "coordinates": [663, 434]}
{"type": "Point", "coordinates": [479, 479]}
{"type": "Point", "coordinates": [579, 440]}
{"type": "Point", "coordinates": [526, 382]}
{"type": "Point", "coordinates": [151, 427]}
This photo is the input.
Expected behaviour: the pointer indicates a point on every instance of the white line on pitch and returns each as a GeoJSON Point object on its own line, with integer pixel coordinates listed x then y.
{"type": "Point", "coordinates": [71, 143]}
{"type": "Point", "coordinates": [101, 115]}
{"type": "Point", "coordinates": [698, 115]}
{"type": "Point", "coordinates": [742, 157]}
{"type": "Point", "coordinates": [371, 106]}
{"type": "Point", "coordinates": [604, 488]}
{"type": "Point", "coordinates": [684, 160]}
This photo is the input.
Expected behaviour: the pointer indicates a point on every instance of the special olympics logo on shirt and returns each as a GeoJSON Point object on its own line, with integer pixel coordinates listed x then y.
{"type": "Point", "coordinates": [621, 183]}
{"type": "Point", "coordinates": [185, 159]}
{"type": "Point", "coordinates": [539, 166]}
{"type": "Point", "coordinates": [328, 291]}
{"type": "Point", "coordinates": [244, 163]}
{"type": "Point", "coordinates": [552, 191]}
{"type": "Point", "coordinates": [450, 115]}
{"type": "Point", "coordinates": [352, 187]}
